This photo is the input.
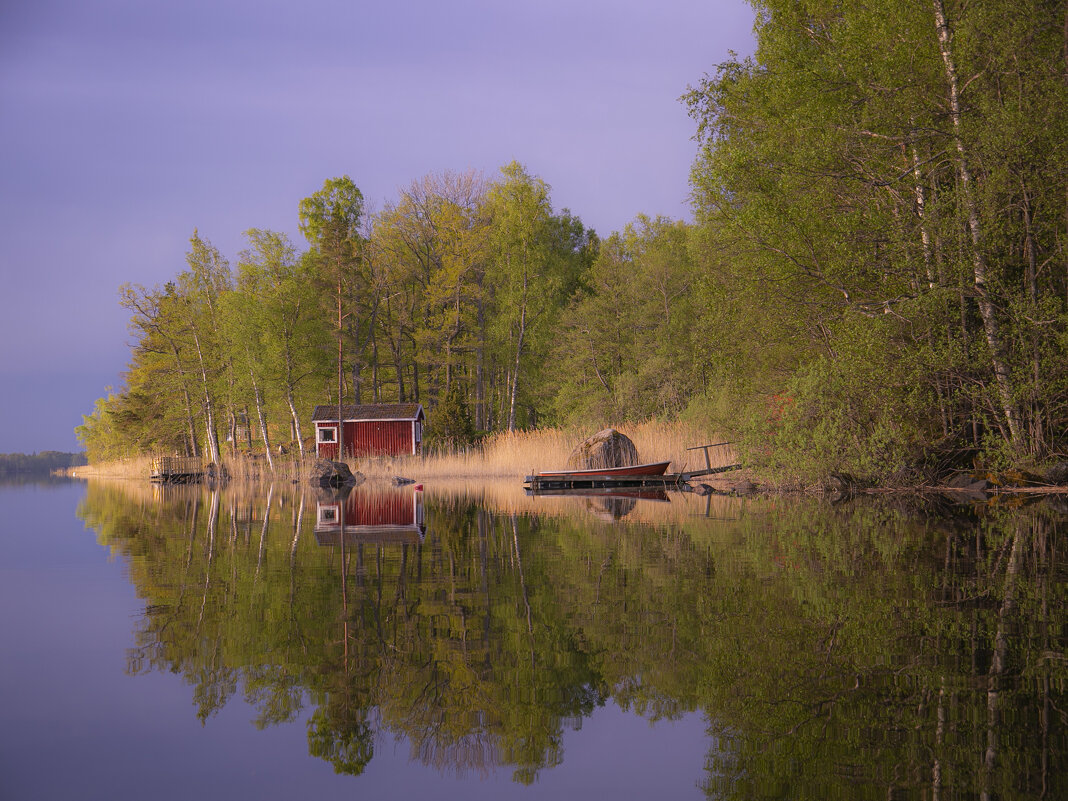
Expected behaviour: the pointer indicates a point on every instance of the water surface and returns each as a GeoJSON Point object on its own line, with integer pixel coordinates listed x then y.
{"type": "Point", "coordinates": [470, 642]}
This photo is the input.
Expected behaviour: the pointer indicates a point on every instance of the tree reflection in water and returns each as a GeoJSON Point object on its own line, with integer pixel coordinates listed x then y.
{"type": "Point", "coordinates": [856, 651]}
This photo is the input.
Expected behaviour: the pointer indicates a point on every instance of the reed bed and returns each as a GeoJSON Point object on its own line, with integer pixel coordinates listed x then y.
{"type": "Point", "coordinates": [521, 453]}
{"type": "Point", "coordinates": [241, 469]}
{"type": "Point", "coordinates": [255, 469]}
{"type": "Point", "coordinates": [133, 467]}
{"type": "Point", "coordinates": [504, 456]}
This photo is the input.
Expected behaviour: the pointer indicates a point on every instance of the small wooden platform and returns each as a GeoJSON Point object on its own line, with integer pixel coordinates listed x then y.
{"type": "Point", "coordinates": [177, 469]}
{"type": "Point", "coordinates": [538, 484]}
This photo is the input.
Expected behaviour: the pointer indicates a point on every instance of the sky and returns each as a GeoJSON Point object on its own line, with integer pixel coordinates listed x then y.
{"type": "Point", "coordinates": [125, 124]}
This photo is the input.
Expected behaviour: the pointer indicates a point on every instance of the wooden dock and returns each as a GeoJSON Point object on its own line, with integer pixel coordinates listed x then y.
{"type": "Point", "coordinates": [538, 484]}
{"type": "Point", "coordinates": [561, 481]}
{"type": "Point", "coordinates": [177, 469]}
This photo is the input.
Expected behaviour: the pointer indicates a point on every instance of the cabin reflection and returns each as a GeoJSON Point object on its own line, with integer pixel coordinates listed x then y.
{"type": "Point", "coordinates": [362, 515]}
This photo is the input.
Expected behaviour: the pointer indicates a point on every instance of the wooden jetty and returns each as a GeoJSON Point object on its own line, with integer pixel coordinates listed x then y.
{"type": "Point", "coordinates": [538, 484]}
{"type": "Point", "coordinates": [177, 469]}
{"type": "Point", "coordinates": [610, 493]}
{"type": "Point", "coordinates": [637, 476]}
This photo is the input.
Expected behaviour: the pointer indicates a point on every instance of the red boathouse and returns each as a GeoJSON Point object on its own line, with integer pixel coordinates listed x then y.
{"type": "Point", "coordinates": [371, 429]}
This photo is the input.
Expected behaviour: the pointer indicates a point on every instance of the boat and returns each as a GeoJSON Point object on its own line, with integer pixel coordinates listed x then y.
{"type": "Point", "coordinates": [630, 471]}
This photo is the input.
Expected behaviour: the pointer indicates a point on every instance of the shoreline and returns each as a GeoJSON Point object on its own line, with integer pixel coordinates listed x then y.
{"type": "Point", "coordinates": [741, 483]}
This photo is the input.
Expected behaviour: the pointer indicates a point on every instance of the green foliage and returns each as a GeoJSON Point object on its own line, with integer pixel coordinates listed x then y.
{"type": "Point", "coordinates": [622, 350]}
{"type": "Point", "coordinates": [333, 214]}
{"type": "Point", "coordinates": [458, 284]}
{"type": "Point", "coordinates": [862, 412]}
{"type": "Point", "coordinates": [830, 196]}
{"type": "Point", "coordinates": [451, 427]}
{"type": "Point", "coordinates": [99, 434]}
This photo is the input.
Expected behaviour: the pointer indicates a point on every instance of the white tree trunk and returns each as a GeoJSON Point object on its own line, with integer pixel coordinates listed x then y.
{"type": "Point", "coordinates": [209, 411]}
{"type": "Point", "coordinates": [987, 310]}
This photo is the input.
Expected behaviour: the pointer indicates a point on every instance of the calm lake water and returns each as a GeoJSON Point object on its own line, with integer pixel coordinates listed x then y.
{"type": "Point", "coordinates": [464, 641]}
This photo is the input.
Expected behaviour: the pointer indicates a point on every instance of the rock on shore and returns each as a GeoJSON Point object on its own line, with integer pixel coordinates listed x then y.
{"type": "Point", "coordinates": [325, 473]}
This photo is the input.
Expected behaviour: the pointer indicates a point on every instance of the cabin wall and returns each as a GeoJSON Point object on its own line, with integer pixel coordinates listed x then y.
{"type": "Point", "coordinates": [375, 438]}
{"type": "Point", "coordinates": [325, 450]}
{"type": "Point", "coordinates": [372, 438]}
{"type": "Point", "coordinates": [379, 438]}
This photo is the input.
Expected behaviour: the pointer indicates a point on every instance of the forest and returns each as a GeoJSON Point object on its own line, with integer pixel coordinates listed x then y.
{"type": "Point", "coordinates": [875, 279]}
{"type": "Point", "coordinates": [37, 463]}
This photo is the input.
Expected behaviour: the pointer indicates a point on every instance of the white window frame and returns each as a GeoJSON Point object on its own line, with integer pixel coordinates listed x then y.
{"type": "Point", "coordinates": [319, 430]}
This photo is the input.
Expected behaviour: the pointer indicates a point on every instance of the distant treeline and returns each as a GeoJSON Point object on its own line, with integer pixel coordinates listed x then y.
{"type": "Point", "coordinates": [43, 462]}
{"type": "Point", "coordinates": [876, 280]}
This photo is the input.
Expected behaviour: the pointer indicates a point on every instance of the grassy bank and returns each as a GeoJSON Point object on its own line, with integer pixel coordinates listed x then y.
{"type": "Point", "coordinates": [502, 455]}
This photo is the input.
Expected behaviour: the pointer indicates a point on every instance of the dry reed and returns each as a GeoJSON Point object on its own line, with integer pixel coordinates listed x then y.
{"type": "Point", "coordinates": [134, 467]}
{"type": "Point", "coordinates": [241, 468]}
{"type": "Point", "coordinates": [518, 454]}
{"type": "Point", "coordinates": [505, 455]}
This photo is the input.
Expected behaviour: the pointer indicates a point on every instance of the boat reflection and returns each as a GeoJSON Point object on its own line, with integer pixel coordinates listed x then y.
{"type": "Point", "coordinates": [609, 503]}
{"type": "Point", "coordinates": [381, 515]}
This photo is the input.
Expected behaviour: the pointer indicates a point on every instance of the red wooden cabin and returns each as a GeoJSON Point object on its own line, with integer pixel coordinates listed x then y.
{"type": "Point", "coordinates": [371, 429]}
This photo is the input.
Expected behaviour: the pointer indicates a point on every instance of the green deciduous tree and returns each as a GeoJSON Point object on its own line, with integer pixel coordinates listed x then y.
{"type": "Point", "coordinates": [873, 171]}
{"type": "Point", "coordinates": [330, 220]}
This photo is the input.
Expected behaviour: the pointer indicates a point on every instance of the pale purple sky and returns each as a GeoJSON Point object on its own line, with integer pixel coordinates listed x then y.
{"type": "Point", "coordinates": [124, 124]}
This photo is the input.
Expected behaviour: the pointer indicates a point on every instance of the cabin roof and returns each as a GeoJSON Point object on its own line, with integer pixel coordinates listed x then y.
{"type": "Point", "coordinates": [369, 411]}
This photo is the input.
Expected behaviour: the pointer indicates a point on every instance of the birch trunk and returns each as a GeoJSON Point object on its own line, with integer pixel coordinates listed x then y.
{"type": "Point", "coordinates": [194, 445]}
{"type": "Point", "coordinates": [209, 412]}
{"type": "Point", "coordinates": [259, 414]}
{"type": "Point", "coordinates": [296, 423]}
{"type": "Point", "coordinates": [987, 310]}
{"type": "Point", "coordinates": [1037, 433]}
{"type": "Point", "coordinates": [480, 376]}
{"type": "Point", "coordinates": [921, 214]}
{"type": "Point", "coordinates": [518, 354]}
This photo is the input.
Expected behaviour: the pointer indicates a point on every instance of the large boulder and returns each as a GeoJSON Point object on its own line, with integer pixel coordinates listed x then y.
{"type": "Point", "coordinates": [607, 448]}
{"type": "Point", "coordinates": [1058, 473]}
{"type": "Point", "coordinates": [969, 482]}
{"type": "Point", "coordinates": [842, 484]}
{"type": "Point", "coordinates": [325, 473]}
